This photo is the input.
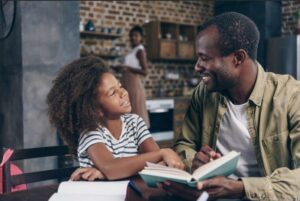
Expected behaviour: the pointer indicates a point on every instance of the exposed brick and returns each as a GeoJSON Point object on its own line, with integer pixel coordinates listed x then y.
{"type": "Point", "coordinates": [113, 12]}
{"type": "Point", "coordinates": [98, 9]}
{"type": "Point", "coordinates": [84, 8]}
{"type": "Point", "coordinates": [141, 15]}
{"type": "Point", "coordinates": [121, 2]}
{"type": "Point", "coordinates": [289, 20]}
{"type": "Point", "coordinates": [111, 17]}
{"type": "Point", "coordinates": [125, 14]}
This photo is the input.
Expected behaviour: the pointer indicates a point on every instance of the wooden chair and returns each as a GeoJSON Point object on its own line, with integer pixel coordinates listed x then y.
{"type": "Point", "coordinates": [25, 178]}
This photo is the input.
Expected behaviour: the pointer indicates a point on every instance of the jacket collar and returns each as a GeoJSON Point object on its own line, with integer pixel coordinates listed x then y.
{"type": "Point", "coordinates": [259, 87]}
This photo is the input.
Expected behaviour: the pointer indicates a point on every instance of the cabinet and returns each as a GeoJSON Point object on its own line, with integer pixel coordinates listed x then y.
{"type": "Point", "coordinates": [85, 34]}
{"type": "Point", "coordinates": [103, 52]}
{"type": "Point", "coordinates": [170, 41]}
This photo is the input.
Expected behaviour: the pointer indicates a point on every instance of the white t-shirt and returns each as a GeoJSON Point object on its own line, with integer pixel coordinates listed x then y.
{"type": "Point", "coordinates": [234, 135]}
{"type": "Point", "coordinates": [134, 132]}
{"type": "Point", "coordinates": [131, 59]}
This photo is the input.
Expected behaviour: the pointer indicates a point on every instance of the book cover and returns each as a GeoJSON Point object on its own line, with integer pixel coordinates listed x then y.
{"type": "Point", "coordinates": [224, 165]}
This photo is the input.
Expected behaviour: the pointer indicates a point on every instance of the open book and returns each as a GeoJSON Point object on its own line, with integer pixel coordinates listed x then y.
{"type": "Point", "coordinates": [224, 165]}
{"type": "Point", "coordinates": [90, 191]}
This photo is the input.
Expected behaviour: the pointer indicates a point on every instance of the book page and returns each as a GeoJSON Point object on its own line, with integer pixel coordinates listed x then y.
{"type": "Point", "coordinates": [227, 162]}
{"type": "Point", "coordinates": [93, 187]}
{"type": "Point", "coordinates": [161, 172]}
{"type": "Point", "coordinates": [168, 170]}
{"type": "Point", "coordinates": [166, 175]}
{"type": "Point", "coordinates": [85, 197]}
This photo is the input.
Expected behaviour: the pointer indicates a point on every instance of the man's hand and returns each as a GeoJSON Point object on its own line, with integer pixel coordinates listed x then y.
{"type": "Point", "coordinates": [205, 155]}
{"type": "Point", "coordinates": [180, 190]}
{"type": "Point", "coordinates": [222, 187]}
{"type": "Point", "coordinates": [87, 173]}
{"type": "Point", "coordinates": [218, 187]}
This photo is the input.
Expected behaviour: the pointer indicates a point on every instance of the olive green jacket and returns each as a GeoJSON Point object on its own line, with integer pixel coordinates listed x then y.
{"type": "Point", "coordinates": [273, 117]}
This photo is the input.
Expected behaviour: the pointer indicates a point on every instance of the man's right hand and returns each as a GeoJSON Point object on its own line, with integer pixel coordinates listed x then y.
{"type": "Point", "coordinates": [205, 155]}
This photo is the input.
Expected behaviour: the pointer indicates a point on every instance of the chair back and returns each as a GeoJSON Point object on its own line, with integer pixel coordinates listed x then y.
{"type": "Point", "coordinates": [29, 153]}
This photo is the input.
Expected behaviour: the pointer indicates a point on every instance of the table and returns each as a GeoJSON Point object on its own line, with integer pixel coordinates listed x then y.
{"type": "Point", "coordinates": [34, 194]}
{"type": "Point", "coordinates": [45, 192]}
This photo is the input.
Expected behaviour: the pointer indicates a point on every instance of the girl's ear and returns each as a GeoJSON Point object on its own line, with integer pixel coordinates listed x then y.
{"type": "Point", "coordinates": [98, 109]}
{"type": "Point", "coordinates": [101, 113]}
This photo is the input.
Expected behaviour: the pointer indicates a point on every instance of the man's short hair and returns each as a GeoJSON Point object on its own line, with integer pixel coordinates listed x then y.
{"type": "Point", "coordinates": [236, 31]}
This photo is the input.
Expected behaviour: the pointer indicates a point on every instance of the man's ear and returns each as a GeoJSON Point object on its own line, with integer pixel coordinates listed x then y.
{"type": "Point", "coordinates": [239, 57]}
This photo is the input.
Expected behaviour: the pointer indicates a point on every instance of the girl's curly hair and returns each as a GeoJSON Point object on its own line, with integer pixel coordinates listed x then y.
{"type": "Point", "coordinates": [71, 100]}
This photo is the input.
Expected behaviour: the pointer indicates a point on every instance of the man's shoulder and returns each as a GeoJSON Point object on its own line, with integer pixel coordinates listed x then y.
{"type": "Point", "coordinates": [282, 82]}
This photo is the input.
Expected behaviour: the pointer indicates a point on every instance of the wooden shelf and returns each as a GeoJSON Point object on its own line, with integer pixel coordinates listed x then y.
{"type": "Point", "coordinates": [99, 35]}
{"type": "Point", "coordinates": [176, 60]}
{"type": "Point", "coordinates": [167, 41]}
{"type": "Point", "coordinates": [104, 56]}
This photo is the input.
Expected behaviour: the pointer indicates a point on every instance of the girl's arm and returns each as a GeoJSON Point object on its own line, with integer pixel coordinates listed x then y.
{"type": "Point", "coordinates": [118, 168]}
{"type": "Point", "coordinates": [148, 145]}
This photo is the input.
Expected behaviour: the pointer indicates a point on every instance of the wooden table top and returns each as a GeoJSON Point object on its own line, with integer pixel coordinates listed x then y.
{"type": "Point", "coordinates": [45, 192]}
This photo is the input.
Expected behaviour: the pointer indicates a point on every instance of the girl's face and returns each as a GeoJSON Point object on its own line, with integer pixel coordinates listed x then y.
{"type": "Point", "coordinates": [112, 97]}
{"type": "Point", "coordinates": [135, 38]}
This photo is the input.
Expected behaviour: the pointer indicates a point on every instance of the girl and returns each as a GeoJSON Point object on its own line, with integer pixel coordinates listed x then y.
{"type": "Point", "coordinates": [90, 110]}
{"type": "Point", "coordinates": [134, 66]}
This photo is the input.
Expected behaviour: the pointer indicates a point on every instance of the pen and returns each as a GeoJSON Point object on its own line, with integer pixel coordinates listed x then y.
{"type": "Point", "coordinates": [203, 197]}
{"type": "Point", "coordinates": [211, 156]}
{"type": "Point", "coordinates": [132, 185]}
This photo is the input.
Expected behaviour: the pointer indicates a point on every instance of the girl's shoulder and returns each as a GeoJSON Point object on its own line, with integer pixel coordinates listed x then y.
{"type": "Point", "coordinates": [87, 133]}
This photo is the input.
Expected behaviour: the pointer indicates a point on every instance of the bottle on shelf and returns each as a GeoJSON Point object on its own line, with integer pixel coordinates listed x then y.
{"type": "Point", "coordinates": [81, 26]}
{"type": "Point", "coordinates": [90, 26]}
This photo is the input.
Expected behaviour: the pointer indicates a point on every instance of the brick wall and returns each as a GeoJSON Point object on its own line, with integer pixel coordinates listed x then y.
{"type": "Point", "coordinates": [125, 14]}
{"type": "Point", "coordinates": [289, 16]}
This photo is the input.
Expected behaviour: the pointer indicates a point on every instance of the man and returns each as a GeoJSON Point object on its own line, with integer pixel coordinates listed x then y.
{"type": "Point", "coordinates": [238, 106]}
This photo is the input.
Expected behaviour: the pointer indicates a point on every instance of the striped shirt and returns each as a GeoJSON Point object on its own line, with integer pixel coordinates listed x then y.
{"type": "Point", "coordinates": [134, 132]}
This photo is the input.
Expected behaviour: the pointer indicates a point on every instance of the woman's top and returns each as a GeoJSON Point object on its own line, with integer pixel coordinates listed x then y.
{"type": "Point", "coordinates": [134, 132]}
{"type": "Point", "coordinates": [131, 59]}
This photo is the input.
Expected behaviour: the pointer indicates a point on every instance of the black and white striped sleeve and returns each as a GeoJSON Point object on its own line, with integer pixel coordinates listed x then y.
{"type": "Point", "coordinates": [89, 139]}
{"type": "Point", "coordinates": [142, 132]}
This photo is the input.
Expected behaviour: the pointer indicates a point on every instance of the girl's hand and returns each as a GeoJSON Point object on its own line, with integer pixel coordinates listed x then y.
{"type": "Point", "coordinates": [162, 163]}
{"type": "Point", "coordinates": [171, 158]}
{"type": "Point", "coordinates": [87, 173]}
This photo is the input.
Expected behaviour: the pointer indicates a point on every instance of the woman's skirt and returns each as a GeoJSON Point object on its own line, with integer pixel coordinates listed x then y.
{"type": "Point", "coordinates": [133, 84]}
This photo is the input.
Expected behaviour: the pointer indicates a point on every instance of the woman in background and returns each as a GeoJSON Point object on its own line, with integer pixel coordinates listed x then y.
{"type": "Point", "coordinates": [135, 66]}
